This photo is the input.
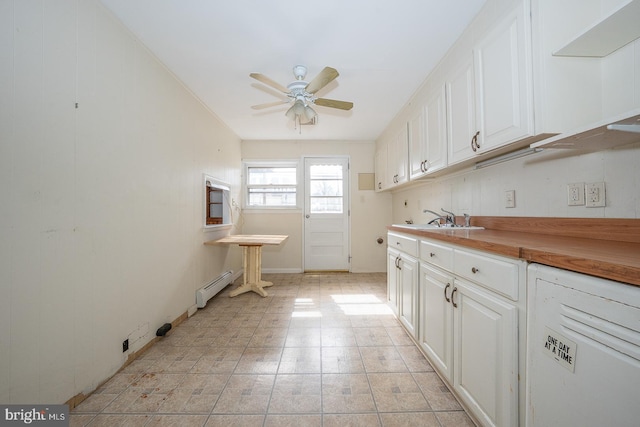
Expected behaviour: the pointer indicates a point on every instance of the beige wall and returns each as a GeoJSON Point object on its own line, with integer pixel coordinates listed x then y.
{"type": "Point", "coordinates": [101, 206]}
{"type": "Point", "coordinates": [370, 212]}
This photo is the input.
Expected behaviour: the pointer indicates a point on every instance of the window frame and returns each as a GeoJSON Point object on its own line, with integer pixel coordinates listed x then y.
{"type": "Point", "coordinates": [227, 217]}
{"type": "Point", "coordinates": [247, 164]}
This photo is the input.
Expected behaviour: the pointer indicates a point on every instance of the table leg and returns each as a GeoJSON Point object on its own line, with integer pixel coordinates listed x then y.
{"type": "Point", "coordinates": [252, 280]}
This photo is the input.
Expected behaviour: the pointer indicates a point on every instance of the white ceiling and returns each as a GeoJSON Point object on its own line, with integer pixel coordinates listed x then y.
{"type": "Point", "coordinates": [383, 49]}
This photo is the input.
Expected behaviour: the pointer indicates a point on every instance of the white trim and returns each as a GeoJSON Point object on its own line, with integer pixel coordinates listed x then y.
{"type": "Point", "coordinates": [226, 214]}
{"type": "Point", "coordinates": [246, 164]}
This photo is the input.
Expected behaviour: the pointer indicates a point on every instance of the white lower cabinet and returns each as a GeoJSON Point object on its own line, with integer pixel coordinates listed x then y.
{"type": "Point", "coordinates": [436, 319]}
{"type": "Point", "coordinates": [402, 278]}
{"type": "Point", "coordinates": [393, 257]}
{"type": "Point", "coordinates": [485, 352]}
{"type": "Point", "coordinates": [408, 287]}
{"type": "Point", "coordinates": [470, 331]}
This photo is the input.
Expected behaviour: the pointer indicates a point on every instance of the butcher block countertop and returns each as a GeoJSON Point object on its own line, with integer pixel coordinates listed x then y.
{"type": "Point", "coordinates": [607, 248]}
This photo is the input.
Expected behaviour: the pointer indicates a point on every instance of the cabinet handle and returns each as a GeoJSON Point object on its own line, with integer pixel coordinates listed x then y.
{"type": "Point", "coordinates": [445, 292]}
{"type": "Point", "coordinates": [399, 264]}
{"type": "Point", "coordinates": [431, 254]}
{"type": "Point", "coordinates": [452, 301]}
{"type": "Point", "coordinates": [475, 270]}
{"type": "Point", "coordinates": [397, 260]}
{"type": "Point", "coordinates": [474, 142]}
{"type": "Point", "coordinates": [426, 165]}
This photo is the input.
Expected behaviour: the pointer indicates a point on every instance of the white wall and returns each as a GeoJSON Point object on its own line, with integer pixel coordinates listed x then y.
{"type": "Point", "coordinates": [370, 211]}
{"type": "Point", "coordinates": [101, 205]}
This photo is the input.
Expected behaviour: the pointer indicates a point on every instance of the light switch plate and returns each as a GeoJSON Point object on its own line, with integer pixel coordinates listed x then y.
{"type": "Point", "coordinates": [510, 199]}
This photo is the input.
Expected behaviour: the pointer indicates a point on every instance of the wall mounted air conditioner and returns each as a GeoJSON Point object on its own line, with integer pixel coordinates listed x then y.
{"type": "Point", "coordinates": [207, 292]}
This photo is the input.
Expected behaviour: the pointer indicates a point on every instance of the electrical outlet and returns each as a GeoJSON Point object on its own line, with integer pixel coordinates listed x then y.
{"type": "Point", "coordinates": [510, 199]}
{"type": "Point", "coordinates": [125, 345]}
{"type": "Point", "coordinates": [575, 194]}
{"type": "Point", "coordinates": [595, 194]}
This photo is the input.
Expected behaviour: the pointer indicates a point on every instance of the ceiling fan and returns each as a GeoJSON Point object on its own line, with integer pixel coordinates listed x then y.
{"type": "Point", "coordinates": [302, 94]}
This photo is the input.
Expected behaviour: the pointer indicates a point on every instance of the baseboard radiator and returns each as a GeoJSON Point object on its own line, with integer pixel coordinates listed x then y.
{"type": "Point", "coordinates": [207, 292]}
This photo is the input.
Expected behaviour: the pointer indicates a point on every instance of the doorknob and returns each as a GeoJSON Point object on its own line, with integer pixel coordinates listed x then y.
{"type": "Point", "coordinates": [306, 216]}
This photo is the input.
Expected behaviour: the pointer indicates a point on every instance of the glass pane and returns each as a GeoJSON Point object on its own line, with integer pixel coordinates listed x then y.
{"type": "Point", "coordinates": [325, 188]}
{"type": "Point", "coordinates": [326, 204]}
{"type": "Point", "coordinates": [272, 176]}
{"type": "Point", "coordinates": [325, 172]}
{"type": "Point", "coordinates": [272, 197]}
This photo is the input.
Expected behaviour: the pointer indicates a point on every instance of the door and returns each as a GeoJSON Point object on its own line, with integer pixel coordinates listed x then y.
{"type": "Point", "coordinates": [326, 214]}
{"type": "Point", "coordinates": [408, 290]}
{"type": "Point", "coordinates": [461, 124]}
{"type": "Point", "coordinates": [393, 266]}
{"type": "Point", "coordinates": [485, 348]}
{"type": "Point", "coordinates": [504, 104]}
{"type": "Point", "coordinates": [436, 319]}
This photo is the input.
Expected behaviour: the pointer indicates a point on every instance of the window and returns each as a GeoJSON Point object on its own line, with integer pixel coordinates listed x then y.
{"type": "Point", "coordinates": [325, 189]}
{"type": "Point", "coordinates": [271, 185]}
{"type": "Point", "coordinates": [216, 208]}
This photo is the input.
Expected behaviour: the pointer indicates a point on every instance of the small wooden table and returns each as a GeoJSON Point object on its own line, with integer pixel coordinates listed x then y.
{"type": "Point", "coordinates": [252, 256]}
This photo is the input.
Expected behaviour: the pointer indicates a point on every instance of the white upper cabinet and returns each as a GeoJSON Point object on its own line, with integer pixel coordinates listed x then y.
{"type": "Point", "coordinates": [398, 158]}
{"type": "Point", "coordinates": [428, 136]}
{"type": "Point", "coordinates": [504, 88]}
{"type": "Point", "coordinates": [381, 167]}
{"type": "Point", "coordinates": [489, 98]}
{"type": "Point", "coordinates": [461, 113]}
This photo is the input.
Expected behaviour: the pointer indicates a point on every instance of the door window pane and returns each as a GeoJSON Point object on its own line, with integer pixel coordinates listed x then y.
{"type": "Point", "coordinates": [325, 188]}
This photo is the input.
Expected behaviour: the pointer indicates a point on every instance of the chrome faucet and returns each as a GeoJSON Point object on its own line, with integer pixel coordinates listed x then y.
{"type": "Point", "coordinates": [450, 218]}
{"type": "Point", "coordinates": [467, 220]}
{"type": "Point", "coordinates": [435, 220]}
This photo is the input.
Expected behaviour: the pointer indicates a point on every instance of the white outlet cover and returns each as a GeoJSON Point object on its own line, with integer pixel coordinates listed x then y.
{"type": "Point", "coordinates": [595, 194]}
{"type": "Point", "coordinates": [575, 194]}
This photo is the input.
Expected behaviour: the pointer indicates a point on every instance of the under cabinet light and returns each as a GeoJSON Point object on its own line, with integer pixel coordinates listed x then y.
{"type": "Point", "coordinates": [506, 157]}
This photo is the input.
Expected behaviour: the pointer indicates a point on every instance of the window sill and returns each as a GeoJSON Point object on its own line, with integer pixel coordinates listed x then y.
{"type": "Point", "coordinates": [216, 227]}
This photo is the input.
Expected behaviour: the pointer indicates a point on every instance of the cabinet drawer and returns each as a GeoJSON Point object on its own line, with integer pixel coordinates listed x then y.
{"type": "Point", "coordinates": [433, 253]}
{"type": "Point", "coordinates": [406, 244]}
{"type": "Point", "coordinates": [497, 274]}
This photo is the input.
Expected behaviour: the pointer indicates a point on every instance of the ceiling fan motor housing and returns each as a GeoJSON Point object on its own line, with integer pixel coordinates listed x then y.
{"type": "Point", "coordinates": [300, 71]}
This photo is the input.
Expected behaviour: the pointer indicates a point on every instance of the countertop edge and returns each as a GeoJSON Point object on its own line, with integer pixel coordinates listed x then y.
{"type": "Point", "coordinates": [553, 251]}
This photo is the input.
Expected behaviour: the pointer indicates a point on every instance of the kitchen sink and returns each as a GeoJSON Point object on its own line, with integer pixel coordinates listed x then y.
{"type": "Point", "coordinates": [435, 227]}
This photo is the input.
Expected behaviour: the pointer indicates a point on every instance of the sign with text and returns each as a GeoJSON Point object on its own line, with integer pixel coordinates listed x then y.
{"type": "Point", "coordinates": [560, 348]}
{"type": "Point", "coordinates": [34, 415]}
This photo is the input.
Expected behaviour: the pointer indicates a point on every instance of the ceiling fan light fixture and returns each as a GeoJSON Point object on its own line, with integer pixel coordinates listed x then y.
{"type": "Point", "coordinates": [309, 113]}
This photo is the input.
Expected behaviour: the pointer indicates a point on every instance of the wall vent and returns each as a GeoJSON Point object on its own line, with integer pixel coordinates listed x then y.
{"type": "Point", "coordinates": [207, 292]}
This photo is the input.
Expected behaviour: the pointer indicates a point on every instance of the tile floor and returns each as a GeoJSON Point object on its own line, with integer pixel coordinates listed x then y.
{"type": "Point", "coordinates": [320, 350]}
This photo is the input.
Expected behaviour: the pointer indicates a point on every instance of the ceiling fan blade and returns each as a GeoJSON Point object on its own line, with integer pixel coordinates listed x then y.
{"type": "Point", "coordinates": [326, 76]}
{"type": "Point", "coordinates": [266, 80]}
{"type": "Point", "coordinates": [333, 103]}
{"type": "Point", "coordinates": [269, 104]}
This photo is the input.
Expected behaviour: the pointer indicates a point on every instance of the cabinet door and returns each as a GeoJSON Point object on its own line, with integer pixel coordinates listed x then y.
{"type": "Point", "coordinates": [435, 131]}
{"type": "Point", "coordinates": [504, 83]}
{"type": "Point", "coordinates": [398, 159]}
{"type": "Point", "coordinates": [485, 340]}
{"type": "Point", "coordinates": [381, 167]}
{"type": "Point", "coordinates": [461, 113]}
{"type": "Point", "coordinates": [436, 319]}
{"type": "Point", "coordinates": [392, 279]}
{"type": "Point", "coordinates": [417, 144]}
{"type": "Point", "coordinates": [408, 287]}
